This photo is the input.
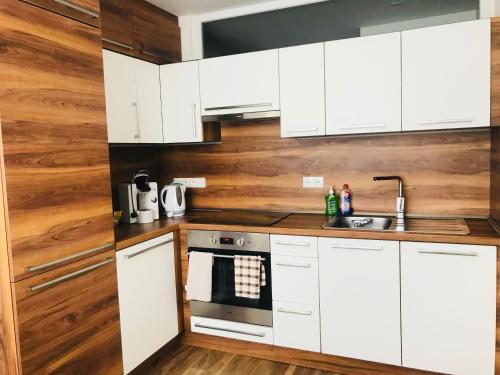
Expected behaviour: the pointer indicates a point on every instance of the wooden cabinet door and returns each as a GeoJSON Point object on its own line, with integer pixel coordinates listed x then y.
{"type": "Point", "coordinates": [157, 36]}
{"type": "Point", "coordinates": [148, 298]}
{"type": "Point", "coordinates": [68, 319]}
{"type": "Point", "coordinates": [87, 11]}
{"type": "Point", "coordinates": [363, 84]}
{"type": "Point", "coordinates": [302, 90]}
{"type": "Point", "coordinates": [180, 96]}
{"type": "Point", "coordinates": [55, 147]}
{"type": "Point", "coordinates": [248, 82]}
{"type": "Point", "coordinates": [359, 299]}
{"type": "Point", "coordinates": [448, 307]}
{"type": "Point", "coordinates": [446, 76]}
{"type": "Point", "coordinates": [116, 26]}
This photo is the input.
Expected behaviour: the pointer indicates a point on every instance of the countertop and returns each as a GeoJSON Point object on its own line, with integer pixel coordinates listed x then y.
{"type": "Point", "coordinates": [419, 230]}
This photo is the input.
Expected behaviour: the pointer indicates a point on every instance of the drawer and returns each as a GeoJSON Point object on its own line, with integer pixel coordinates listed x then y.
{"type": "Point", "coordinates": [295, 279]}
{"type": "Point", "coordinates": [232, 330]}
{"type": "Point", "coordinates": [298, 246]}
{"type": "Point", "coordinates": [296, 326]}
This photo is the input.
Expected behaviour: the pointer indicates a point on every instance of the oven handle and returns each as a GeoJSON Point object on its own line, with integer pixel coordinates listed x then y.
{"type": "Point", "coordinates": [258, 334]}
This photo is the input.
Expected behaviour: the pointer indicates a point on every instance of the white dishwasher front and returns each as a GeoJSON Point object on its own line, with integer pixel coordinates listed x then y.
{"type": "Point", "coordinates": [148, 299]}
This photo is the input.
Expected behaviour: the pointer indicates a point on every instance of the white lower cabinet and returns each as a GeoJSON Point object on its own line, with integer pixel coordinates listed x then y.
{"type": "Point", "coordinates": [360, 299]}
{"type": "Point", "coordinates": [448, 307]}
{"type": "Point", "coordinates": [148, 298]}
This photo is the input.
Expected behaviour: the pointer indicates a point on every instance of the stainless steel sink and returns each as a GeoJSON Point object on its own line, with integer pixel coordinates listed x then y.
{"type": "Point", "coordinates": [359, 223]}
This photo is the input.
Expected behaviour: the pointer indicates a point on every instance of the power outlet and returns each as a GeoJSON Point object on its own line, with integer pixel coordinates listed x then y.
{"type": "Point", "coordinates": [197, 183]}
{"type": "Point", "coordinates": [312, 182]}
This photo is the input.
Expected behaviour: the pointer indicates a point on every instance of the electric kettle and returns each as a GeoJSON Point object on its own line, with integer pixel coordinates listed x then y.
{"type": "Point", "coordinates": [173, 200]}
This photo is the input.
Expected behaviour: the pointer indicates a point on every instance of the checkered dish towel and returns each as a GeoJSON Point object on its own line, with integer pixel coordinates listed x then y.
{"type": "Point", "coordinates": [249, 276]}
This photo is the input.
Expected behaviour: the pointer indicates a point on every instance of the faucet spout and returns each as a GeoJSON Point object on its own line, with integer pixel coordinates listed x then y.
{"type": "Point", "coordinates": [400, 201]}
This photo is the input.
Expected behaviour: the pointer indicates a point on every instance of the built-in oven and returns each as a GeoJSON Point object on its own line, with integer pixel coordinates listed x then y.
{"type": "Point", "coordinates": [224, 303]}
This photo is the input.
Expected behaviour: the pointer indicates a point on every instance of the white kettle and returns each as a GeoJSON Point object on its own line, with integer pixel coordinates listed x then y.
{"type": "Point", "coordinates": [173, 200]}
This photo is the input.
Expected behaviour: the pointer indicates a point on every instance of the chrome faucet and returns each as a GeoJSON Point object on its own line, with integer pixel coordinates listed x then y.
{"type": "Point", "coordinates": [400, 201]}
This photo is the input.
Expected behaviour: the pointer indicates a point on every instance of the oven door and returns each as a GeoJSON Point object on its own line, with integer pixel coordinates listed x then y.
{"type": "Point", "coordinates": [225, 305]}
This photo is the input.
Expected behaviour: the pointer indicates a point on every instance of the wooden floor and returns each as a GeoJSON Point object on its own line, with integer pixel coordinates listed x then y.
{"type": "Point", "coordinates": [189, 360]}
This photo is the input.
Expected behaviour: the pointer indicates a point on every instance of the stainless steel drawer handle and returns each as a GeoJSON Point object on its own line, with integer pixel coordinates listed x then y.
{"type": "Point", "coordinates": [357, 247]}
{"type": "Point", "coordinates": [285, 243]}
{"type": "Point", "coordinates": [444, 252]}
{"type": "Point", "coordinates": [256, 334]}
{"type": "Point", "coordinates": [297, 312]}
{"type": "Point", "coordinates": [68, 258]}
{"type": "Point", "coordinates": [449, 121]}
{"type": "Point", "coordinates": [297, 265]}
{"type": "Point", "coordinates": [78, 8]}
{"type": "Point", "coordinates": [362, 126]}
{"type": "Point", "coordinates": [305, 130]}
{"type": "Point", "coordinates": [239, 106]}
{"type": "Point", "coordinates": [127, 46]}
{"type": "Point", "coordinates": [69, 276]}
{"type": "Point", "coordinates": [148, 249]}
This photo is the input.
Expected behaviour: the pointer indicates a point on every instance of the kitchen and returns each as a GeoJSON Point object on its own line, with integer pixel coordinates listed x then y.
{"type": "Point", "coordinates": [165, 186]}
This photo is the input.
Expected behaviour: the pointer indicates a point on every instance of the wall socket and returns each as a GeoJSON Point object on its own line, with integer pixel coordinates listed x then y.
{"type": "Point", "coordinates": [197, 183]}
{"type": "Point", "coordinates": [312, 182]}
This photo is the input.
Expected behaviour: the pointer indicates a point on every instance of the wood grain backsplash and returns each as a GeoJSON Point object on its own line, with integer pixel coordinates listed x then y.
{"type": "Point", "coordinates": [445, 173]}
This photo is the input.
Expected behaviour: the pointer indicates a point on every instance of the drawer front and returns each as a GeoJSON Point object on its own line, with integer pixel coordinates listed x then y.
{"type": "Point", "coordinates": [69, 321]}
{"type": "Point", "coordinates": [233, 330]}
{"type": "Point", "coordinates": [296, 326]}
{"type": "Point", "coordinates": [298, 246]}
{"type": "Point", "coordinates": [295, 279]}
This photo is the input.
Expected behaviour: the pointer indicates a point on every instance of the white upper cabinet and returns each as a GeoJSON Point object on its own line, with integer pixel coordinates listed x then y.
{"type": "Point", "coordinates": [446, 76]}
{"type": "Point", "coordinates": [302, 90]}
{"type": "Point", "coordinates": [180, 93]}
{"type": "Point", "coordinates": [121, 98]}
{"type": "Point", "coordinates": [363, 84]}
{"type": "Point", "coordinates": [359, 299]}
{"type": "Point", "coordinates": [148, 102]}
{"type": "Point", "coordinates": [133, 104]}
{"type": "Point", "coordinates": [448, 307]}
{"type": "Point", "coordinates": [240, 83]}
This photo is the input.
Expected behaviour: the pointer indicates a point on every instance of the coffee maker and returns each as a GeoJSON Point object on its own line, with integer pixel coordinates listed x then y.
{"type": "Point", "coordinates": [139, 194]}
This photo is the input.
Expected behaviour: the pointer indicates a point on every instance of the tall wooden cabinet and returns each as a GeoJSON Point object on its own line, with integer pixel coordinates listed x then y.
{"type": "Point", "coordinates": [58, 237]}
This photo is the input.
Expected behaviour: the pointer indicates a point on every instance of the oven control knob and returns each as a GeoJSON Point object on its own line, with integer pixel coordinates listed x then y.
{"type": "Point", "coordinates": [240, 241]}
{"type": "Point", "coordinates": [213, 240]}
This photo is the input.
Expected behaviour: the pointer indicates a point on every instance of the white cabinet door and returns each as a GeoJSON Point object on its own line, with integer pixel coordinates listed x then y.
{"type": "Point", "coordinates": [148, 299]}
{"type": "Point", "coordinates": [302, 90]}
{"type": "Point", "coordinates": [121, 98]}
{"type": "Point", "coordinates": [180, 93]}
{"type": "Point", "coordinates": [363, 84]}
{"type": "Point", "coordinates": [148, 102]}
{"type": "Point", "coordinates": [296, 326]}
{"type": "Point", "coordinates": [240, 83]}
{"type": "Point", "coordinates": [446, 76]}
{"type": "Point", "coordinates": [359, 299]}
{"type": "Point", "coordinates": [448, 307]}
{"type": "Point", "coordinates": [294, 246]}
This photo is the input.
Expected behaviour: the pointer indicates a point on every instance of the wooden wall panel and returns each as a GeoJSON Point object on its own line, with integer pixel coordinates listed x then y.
{"type": "Point", "coordinates": [495, 174]}
{"type": "Point", "coordinates": [445, 173]}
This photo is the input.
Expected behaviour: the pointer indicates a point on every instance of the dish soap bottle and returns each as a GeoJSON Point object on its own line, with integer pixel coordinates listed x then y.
{"type": "Point", "coordinates": [331, 203]}
{"type": "Point", "coordinates": [345, 201]}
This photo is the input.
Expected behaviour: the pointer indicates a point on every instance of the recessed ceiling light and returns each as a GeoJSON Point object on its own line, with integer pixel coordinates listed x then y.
{"type": "Point", "coordinates": [395, 3]}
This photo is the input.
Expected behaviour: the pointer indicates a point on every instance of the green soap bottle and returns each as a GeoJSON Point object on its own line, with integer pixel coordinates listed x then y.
{"type": "Point", "coordinates": [331, 203]}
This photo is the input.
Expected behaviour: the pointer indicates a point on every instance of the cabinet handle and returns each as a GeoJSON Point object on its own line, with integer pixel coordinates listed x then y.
{"type": "Point", "coordinates": [194, 121]}
{"type": "Point", "coordinates": [70, 276]}
{"type": "Point", "coordinates": [450, 121]}
{"type": "Point", "coordinates": [297, 312]}
{"type": "Point", "coordinates": [127, 46]}
{"type": "Point", "coordinates": [302, 130]}
{"type": "Point", "coordinates": [256, 334]}
{"type": "Point", "coordinates": [362, 126]}
{"type": "Point", "coordinates": [78, 8]}
{"type": "Point", "coordinates": [137, 121]}
{"type": "Point", "coordinates": [444, 252]}
{"type": "Point", "coordinates": [293, 243]}
{"type": "Point", "coordinates": [336, 246]}
{"type": "Point", "coordinates": [239, 106]}
{"type": "Point", "coordinates": [148, 249]}
{"type": "Point", "coordinates": [297, 265]}
{"type": "Point", "coordinates": [65, 259]}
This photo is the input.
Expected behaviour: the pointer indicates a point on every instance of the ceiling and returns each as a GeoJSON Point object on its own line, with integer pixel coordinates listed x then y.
{"type": "Point", "coordinates": [183, 7]}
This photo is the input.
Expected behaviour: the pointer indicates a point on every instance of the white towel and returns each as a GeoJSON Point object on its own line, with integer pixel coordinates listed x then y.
{"type": "Point", "coordinates": [199, 279]}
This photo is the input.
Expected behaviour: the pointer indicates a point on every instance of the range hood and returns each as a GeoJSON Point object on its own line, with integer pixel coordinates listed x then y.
{"type": "Point", "coordinates": [239, 114]}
